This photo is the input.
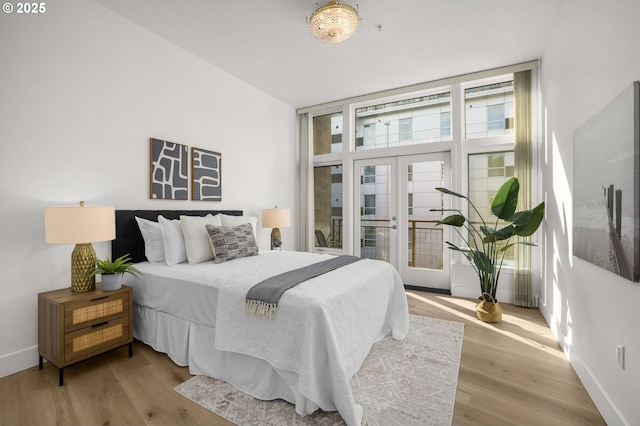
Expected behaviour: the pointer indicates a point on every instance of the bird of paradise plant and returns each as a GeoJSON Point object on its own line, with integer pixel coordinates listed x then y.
{"type": "Point", "coordinates": [485, 246]}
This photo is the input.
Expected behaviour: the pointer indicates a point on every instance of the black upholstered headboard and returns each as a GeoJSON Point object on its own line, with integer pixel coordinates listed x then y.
{"type": "Point", "coordinates": [128, 237]}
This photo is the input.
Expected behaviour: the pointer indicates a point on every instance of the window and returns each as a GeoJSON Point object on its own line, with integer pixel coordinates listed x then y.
{"type": "Point", "coordinates": [471, 117]}
{"type": "Point", "coordinates": [445, 125]}
{"type": "Point", "coordinates": [328, 205]}
{"type": "Point", "coordinates": [489, 110]}
{"type": "Point", "coordinates": [327, 133]}
{"type": "Point", "coordinates": [369, 204]}
{"type": "Point", "coordinates": [487, 173]}
{"type": "Point", "coordinates": [369, 239]}
{"type": "Point", "coordinates": [410, 204]}
{"type": "Point", "coordinates": [410, 121]}
{"type": "Point", "coordinates": [369, 175]}
{"type": "Point", "coordinates": [406, 130]}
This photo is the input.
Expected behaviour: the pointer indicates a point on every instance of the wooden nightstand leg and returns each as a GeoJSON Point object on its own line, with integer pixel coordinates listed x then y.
{"type": "Point", "coordinates": [130, 349]}
{"type": "Point", "coordinates": [61, 377]}
{"type": "Point", "coordinates": [40, 362]}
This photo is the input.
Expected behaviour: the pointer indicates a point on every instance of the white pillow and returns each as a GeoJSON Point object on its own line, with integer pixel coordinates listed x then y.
{"type": "Point", "coordinates": [231, 221]}
{"type": "Point", "coordinates": [196, 238]}
{"type": "Point", "coordinates": [174, 248]}
{"type": "Point", "coordinates": [153, 241]}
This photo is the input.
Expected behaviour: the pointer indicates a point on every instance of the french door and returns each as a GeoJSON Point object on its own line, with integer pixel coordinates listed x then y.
{"type": "Point", "coordinates": [392, 217]}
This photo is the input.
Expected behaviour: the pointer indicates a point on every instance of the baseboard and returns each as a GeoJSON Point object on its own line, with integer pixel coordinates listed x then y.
{"type": "Point", "coordinates": [504, 294]}
{"type": "Point", "coordinates": [427, 289]}
{"type": "Point", "coordinates": [464, 283]}
{"type": "Point", "coordinates": [603, 403]}
{"type": "Point", "coordinates": [17, 361]}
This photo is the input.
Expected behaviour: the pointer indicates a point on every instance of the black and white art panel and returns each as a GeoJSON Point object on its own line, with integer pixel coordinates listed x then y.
{"type": "Point", "coordinates": [206, 173]}
{"type": "Point", "coordinates": [169, 165]}
{"type": "Point", "coordinates": [606, 186]}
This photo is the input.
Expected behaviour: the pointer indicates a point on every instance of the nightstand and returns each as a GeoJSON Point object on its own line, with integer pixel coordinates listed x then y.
{"type": "Point", "coordinates": [75, 326]}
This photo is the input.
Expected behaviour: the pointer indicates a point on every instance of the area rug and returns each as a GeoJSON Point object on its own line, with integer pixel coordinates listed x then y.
{"type": "Point", "coordinates": [408, 382]}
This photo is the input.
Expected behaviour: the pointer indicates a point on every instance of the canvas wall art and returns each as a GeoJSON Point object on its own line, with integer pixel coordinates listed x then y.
{"type": "Point", "coordinates": [169, 165]}
{"type": "Point", "coordinates": [206, 175]}
{"type": "Point", "coordinates": [606, 186]}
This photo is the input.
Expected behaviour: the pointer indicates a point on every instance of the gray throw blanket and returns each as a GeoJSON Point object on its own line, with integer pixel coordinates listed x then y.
{"type": "Point", "coordinates": [262, 299]}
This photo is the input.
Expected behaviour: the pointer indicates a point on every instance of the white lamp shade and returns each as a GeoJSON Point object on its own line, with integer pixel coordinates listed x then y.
{"type": "Point", "coordinates": [276, 218]}
{"type": "Point", "coordinates": [78, 225]}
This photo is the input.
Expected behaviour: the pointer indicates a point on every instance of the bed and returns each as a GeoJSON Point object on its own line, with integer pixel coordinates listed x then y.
{"type": "Point", "coordinates": [323, 331]}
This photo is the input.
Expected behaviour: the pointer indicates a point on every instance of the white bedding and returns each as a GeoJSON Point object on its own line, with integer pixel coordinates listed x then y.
{"type": "Point", "coordinates": [324, 329]}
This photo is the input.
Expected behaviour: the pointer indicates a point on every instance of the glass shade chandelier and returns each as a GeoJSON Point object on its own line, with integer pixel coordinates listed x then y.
{"type": "Point", "coordinates": [334, 22]}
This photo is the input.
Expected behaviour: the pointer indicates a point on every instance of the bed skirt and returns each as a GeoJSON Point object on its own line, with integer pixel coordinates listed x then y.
{"type": "Point", "coordinates": [190, 344]}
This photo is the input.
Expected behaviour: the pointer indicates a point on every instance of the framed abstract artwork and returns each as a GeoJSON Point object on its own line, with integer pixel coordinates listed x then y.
{"type": "Point", "coordinates": [606, 186]}
{"type": "Point", "coordinates": [168, 178]}
{"type": "Point", "coordinates": [206, 175]}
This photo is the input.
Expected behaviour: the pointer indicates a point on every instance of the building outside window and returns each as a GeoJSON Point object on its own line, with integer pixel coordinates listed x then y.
{"type": "Point", "coordinates": [487, 173]}
{"type": "Point", "coordinates": [486, 109]}
{"type": "Point", "coordinates": [489, 110]}
{"type": "Point", "coordinates": [327, 133]}
{"type": "Point", "coordinates": [328, 205]}
{"type": "Point", "coordinates": [410, 121]}
{"type": "Point", "coordinates": [369, 174]}
{"type": "Point", "coordinates": [369, 205]}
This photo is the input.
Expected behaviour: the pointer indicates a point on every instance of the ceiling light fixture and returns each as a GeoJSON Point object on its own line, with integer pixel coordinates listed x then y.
{"type": "Point", "coordinates": [334, 22]}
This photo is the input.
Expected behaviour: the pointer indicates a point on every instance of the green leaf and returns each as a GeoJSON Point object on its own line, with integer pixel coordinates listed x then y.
{"type": "Point", "coordinates": [482, 261]}
{"type": "Point", "coordinates": [537, 214]}
{"type": "Point", "coordinates": [499, 235]}
{"type": "Point", "coordinates": [453, 220]}
{"type": "Point", "coordinates": [505, 202]}
{"type": "Point", "coordinates": [456, 248]}
{"type": "Point", "coordinates": [521, 218]}
{"type": "Point", "coordinates": [449, 192]}
{"type": "Point", "coordinates": [444, 210]}
{"type": "Point", "coordinates": [121, 265]}
{"type": "Point", "coordinates": [486, 230]}
{"type": "Point", "coordinates": [522, 243]}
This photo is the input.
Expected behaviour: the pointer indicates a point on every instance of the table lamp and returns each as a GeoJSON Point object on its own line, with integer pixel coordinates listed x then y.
{"type": "Point", "coordinates": [276, 218]}
{"type": "Point", "coordinates": [80, 226]}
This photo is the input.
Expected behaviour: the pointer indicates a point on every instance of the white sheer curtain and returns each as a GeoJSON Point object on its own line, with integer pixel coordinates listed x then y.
{"type": "Point", "coordinates": [303, 181]}
{"type": "Point", "coordinates": [523, 289]}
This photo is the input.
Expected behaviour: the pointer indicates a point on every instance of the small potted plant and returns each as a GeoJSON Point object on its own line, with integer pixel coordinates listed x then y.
{"type": "Point", "coordinates": [486, 244]}
{"type": "Point", "coordinates": [112, 272]}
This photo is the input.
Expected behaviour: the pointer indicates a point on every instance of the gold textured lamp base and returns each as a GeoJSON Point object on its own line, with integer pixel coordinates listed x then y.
{"type": "Point", "coordinates": [83, 260]}
{"type": "Point", "coordinates": [276, 236]}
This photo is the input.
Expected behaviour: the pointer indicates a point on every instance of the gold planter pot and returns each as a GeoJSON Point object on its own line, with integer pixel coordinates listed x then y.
{"type": "Point", "coordinates": [488, 309]}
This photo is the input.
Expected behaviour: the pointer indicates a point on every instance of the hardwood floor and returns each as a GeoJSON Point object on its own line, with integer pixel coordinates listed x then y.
{"type": "Point", "coordinates": [511, 373]}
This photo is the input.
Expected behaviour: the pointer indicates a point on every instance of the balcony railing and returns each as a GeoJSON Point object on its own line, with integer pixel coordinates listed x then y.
{"type": "Point", "coordinates": [425, 241]}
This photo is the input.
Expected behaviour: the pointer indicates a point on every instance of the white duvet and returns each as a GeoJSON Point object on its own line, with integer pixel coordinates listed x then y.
{"type": "Point", "coordinates": [324, 329]}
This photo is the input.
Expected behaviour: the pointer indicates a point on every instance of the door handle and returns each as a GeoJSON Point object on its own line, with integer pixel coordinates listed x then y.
{"type": "Point", "coordinates": [394, 227]}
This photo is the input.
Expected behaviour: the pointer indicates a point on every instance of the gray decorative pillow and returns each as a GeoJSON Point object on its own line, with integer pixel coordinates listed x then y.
{"type": "Point", "coordinates": [230, 242]}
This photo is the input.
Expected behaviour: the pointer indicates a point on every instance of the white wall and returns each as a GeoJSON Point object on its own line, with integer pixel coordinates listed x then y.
{"type": "Point", "coordinates": [591, 57]}
{"type": "Point", "coordinates": [81, 92]}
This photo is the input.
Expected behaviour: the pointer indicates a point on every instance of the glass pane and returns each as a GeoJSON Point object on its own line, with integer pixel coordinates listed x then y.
{"type": "Point", "coordinates": [410, 121]}
{"type": "Point", "coordinates": [374, 213]}
{"type": "Point", "coordinates": [425, 242]}
{"type": "Point", "coordinates": [327, 133]}
{"type": "Point", "coordinates": [328, 206]}
{"type": "Point", "coordinates": [487, 173]}
{"type": "Point", "coordinates": [489, 110]}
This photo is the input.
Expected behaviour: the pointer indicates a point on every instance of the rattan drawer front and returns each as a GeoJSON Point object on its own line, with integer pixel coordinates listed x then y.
{"type": "Point", "coordinates": [100, 309]}
{"type": "Point", "coordinates": [96, 338]}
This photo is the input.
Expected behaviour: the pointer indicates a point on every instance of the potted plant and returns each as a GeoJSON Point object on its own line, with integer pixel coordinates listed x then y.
{"type": "Point", "coordinates": [485, 245]}
{"type": "Point", "coordinates": [112, 272]}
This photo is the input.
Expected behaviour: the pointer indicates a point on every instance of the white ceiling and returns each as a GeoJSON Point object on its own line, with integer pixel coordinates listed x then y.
{"type": "Point", "coordinates": [268, 44]}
